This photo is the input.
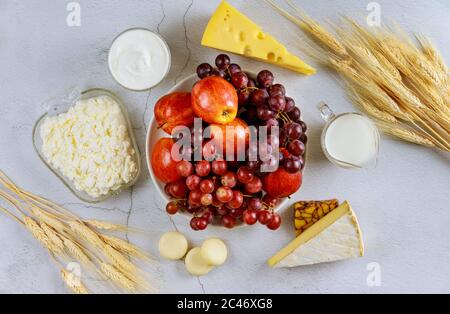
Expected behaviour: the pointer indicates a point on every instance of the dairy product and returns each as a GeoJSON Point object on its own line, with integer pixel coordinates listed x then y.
{"type": "Point", "coordinates": [352, 139]}
{"type": "Point", "coordinates": [139, 59]}
{"type": "Point", "coordinates": [90, 145]}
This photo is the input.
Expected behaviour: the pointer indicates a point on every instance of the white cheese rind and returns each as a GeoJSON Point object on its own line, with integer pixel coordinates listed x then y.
{"type": "Point", "coordinates": [339, 241]}
{"type": "Point", "coordinates": [90, 145]}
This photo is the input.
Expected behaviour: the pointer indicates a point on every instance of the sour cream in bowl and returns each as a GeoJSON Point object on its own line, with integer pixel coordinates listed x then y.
{"type": "Point", "coordinates": [139, 59]}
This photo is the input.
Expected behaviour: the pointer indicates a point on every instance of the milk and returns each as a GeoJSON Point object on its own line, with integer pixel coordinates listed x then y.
{"type": "Point", "coordinates": [351, 140]}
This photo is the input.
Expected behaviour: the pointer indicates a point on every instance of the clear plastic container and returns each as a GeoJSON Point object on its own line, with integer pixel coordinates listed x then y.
{"type": "Point", "coordinates": [57, 106]}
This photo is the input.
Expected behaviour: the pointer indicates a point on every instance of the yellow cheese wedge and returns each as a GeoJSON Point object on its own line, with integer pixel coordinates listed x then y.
{"type": "Point", "coordinates": [232, 31]}
{"type": "Point", "coordinates": [335, 237]}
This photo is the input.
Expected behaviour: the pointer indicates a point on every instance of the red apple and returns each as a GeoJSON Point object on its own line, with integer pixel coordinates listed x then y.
{"type": "Point", "coordinates": [281, 183]}
{"type": "Point", "coordinates": [174, 110]}
{"type": "Point", "coordinates": [215, 100]}
{"type": "Point", "coordinates": [163, 165]}
{"type": "Point", "coordinates": [239, 132]}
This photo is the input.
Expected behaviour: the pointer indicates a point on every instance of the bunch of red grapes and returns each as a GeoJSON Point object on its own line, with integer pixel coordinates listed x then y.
{"type": "Point", "coordinates": [232, 192]}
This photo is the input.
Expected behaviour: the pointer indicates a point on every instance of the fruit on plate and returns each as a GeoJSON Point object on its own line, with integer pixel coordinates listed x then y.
{"type": "Point", "coordinates": [195, 264]}
{"type": "Point", "coordinates": [214, 251]}
{"type": "Point", "coordinates": [216, 190]}
{"type": "Point", "coordinates": [231, 136]}
{"type": "Point", "coordinates": [232, 31]}
{"type": "Point", "coordinates": [215, 100]}
{"type": "Point", "coordinates": [174, 110]}
{"type": "Point", "coordinates": [173, 245]}
{"type": "Point", "coordinates": [334, 237]}
{"type": "Point", "coordinates": [281, 183]}
{"type": "Point", "coordinates": [307, 213]}
{"type": "Point", "coordinates": [163, 165]}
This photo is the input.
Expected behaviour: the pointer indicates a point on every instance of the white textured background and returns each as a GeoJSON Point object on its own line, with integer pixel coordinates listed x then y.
{"type": "Point", "coordinates": [403, 205]}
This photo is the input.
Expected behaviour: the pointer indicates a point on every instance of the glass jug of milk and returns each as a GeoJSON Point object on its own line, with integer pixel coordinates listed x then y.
{"type": "Point", "coordinates": [349, 140]}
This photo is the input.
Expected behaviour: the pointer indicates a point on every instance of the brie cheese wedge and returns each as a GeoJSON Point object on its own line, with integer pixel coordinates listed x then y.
{"type": "Point", "coordinates": [335, 237]}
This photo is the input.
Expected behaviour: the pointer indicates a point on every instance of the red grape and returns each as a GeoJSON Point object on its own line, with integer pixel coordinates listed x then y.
{"type": "Point", "coordinates": [277, 90]}
{"type": "Point", "coordinates": [244, 175]}
{"type": "Point", "coordinates": [207, 186]}
{"type": "Point", "coordinates": [270, 201]}
{"type": "Point", "coordinates": [193, 182]}
{"type": "Point", "coordinates": [254, 186]}
{"type": "Point", "coordinates": [204, 70]}
{"type": "Point", "coordinates": [236, 212]}
{"type": "Point", "coordinates": [195, 197]}
{"type": "Point", "coordinates": [304, 138]}
{"type": "Point", "coordinates": [178, 189]}
{"type": "Point", "coordinates": [219, 73]}
{"type": "Point", "coordinates": [208, 215]}
{"type": "Point", "coordinates": [290, 105]}
{"type": "Point", "coordinates": [293, 130]}
{"type": "Point", "coordinates": [224, 194]}
{"type": "Point", "coordinates": [275, 223]}
{"type": "Point", "coordinates": [293, 164]}
{"type": "Point", "coordinates": [250, 217]}
{"type": "Point", "coordinates": [167, 189]}
{"type": "Point", "coordinates": [201, 223]}
{"type": "Point", "coordinates": [243, 98]}
{"type": "Point", "coordinates": [234, 68]}
{"type": "Point", "coordinates": [265, 217]}
{"type": "Point", "coordinates": [237, 200]}
{"type": "Point", "coordinates": [222, 211]}
{"type": "Point", "coordinates": [185, 168]}
{"type": "Point", "coordinates": [239, 80]}
{"type": "Point", "coordinates": [277, 103]}
{"type": "Point", "coordinates": [295, 114]}
{"type": "Point", "coordinates": [206, 199]}
{"type": "Point", "coordinates": [251, 83]}
{"type": "Point", "coordinates": [172, 208]}
{"type": "Point", "coordinates": [265, 78]}
{"type": "Point", "coordinates": [229, 179]}
{"type": "Point", "coordinates": [228, 221]}
{"type": "Point", "coordinates": [203, 168]}
{"type": "Point", "coordinates": [264, 113]}
{"type": "Point", "coordinates": [223, 61]}
{"type": "Point", "coordinates": [253, 165]}
{"type": "Point", "coordinates": [219, 167]}
{"type": "Point", "coordinates": [255, 204]}
{"type": "Point", "coordinates": [193, 224]}
{"type": "Point", "coordinates": [296, 148]}
{"type": "Point", "coordinates": [304, 126]}
{"type": "Point", "coordinates": [259, 97]}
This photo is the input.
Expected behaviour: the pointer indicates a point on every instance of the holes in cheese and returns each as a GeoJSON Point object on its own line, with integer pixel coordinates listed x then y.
{"type": "Point", "coordinates": [196, 264]}
{"type": "Point", "coordinates": [173, 245]}
{"type": "Point", "coordinates": [232, 31]}
{"type": "Point", "coordinates": [242, 36]}
{"type": "Point", "coordinates": [214, 251]}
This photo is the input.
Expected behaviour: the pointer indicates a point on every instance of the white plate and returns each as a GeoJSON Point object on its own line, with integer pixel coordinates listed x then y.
{"type": "Point", "coordinates": [154, 134]}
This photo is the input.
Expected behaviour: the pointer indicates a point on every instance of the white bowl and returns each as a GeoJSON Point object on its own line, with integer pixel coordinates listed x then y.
{"type": "Point", "coordinates": [154, 134]}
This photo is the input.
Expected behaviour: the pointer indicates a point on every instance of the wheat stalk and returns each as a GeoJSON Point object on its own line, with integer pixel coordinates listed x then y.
{"type": "Point", "coordinates": [105, 225]}
{"type": "Point", "coordinates": [65, 236]}
{"type": "Point", "coordinates": [405, 134]}
{"type": "Point", "coordinates": [40, 235]}
{"type": "Point", "coordinates": [53, 236]}
{"type": "Point", "coordinates": [396, 83]}
{"type": "Point", "coordinates": [117, 277]}
{"type": "Point", "coordinates": [86, 233]}
{"type": "Point", "coordinates": [75, 285]}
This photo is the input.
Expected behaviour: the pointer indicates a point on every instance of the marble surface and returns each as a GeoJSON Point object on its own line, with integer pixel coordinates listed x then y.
{"type": "Point", "coordinates": [402, 204]}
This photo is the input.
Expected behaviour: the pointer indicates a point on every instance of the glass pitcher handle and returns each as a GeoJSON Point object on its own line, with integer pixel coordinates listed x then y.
{"type": "Point", "coordinates": [325, 111]}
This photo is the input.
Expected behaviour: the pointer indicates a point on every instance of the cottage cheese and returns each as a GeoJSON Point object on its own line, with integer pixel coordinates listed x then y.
{"type": "Point", "coordinates": [91, 146]}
